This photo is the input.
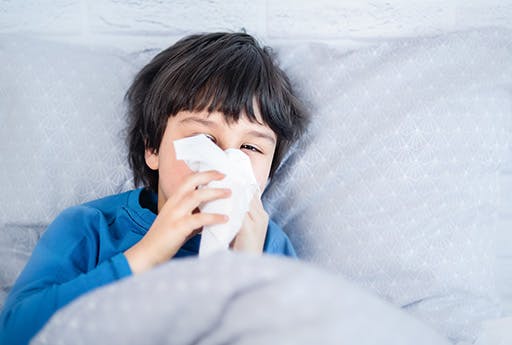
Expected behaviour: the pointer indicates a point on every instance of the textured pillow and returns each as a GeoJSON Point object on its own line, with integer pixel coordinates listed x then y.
{"type": "Point", "coordinates": [504, 238]}
{"type": "Point", "coordinates": [61, 126]}
{"type": "Point", "coordinates": [395, 185]}
{"type": "Point", "coordinates": [16, 245]}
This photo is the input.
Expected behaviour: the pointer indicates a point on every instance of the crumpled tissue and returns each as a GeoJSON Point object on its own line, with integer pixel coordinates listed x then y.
{"type": "Point", "coordinates": [202, 154]}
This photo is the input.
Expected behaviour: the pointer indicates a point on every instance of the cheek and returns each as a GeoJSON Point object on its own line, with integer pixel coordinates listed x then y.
{"type": "Point", "coordinates": [261, 169]}
{"type": "Point", "coordinates": [172, 174]}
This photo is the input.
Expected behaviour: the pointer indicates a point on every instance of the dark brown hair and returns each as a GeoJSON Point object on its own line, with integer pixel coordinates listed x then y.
{"type": "Point", "coordinates": [223, 72]}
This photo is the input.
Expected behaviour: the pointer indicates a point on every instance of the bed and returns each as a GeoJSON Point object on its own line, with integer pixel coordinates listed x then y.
{"type": "Point", "coordinates": [397, 199]}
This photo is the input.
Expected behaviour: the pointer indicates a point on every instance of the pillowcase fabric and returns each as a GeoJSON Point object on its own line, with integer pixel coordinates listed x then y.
{"type": "Point", "coordinates": [61, 126]}
{"type": "Point", "coordinates": [396, 184]}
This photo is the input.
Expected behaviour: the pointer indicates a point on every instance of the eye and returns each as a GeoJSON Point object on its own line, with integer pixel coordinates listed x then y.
{"type": "Point", "coordinates": [211, 137]}
{"type": "Point", "coordinates": [250, 148]}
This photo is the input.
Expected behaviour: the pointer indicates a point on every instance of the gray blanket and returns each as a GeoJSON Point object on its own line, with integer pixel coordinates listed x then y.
{"type": "Point", "coordinates": [234, 299]}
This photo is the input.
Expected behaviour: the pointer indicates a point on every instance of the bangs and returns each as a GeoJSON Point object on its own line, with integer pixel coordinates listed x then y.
{"type": "Point", "coordinates": [232, 88]}
{"type": "Point", "coordinates": [229, 81]}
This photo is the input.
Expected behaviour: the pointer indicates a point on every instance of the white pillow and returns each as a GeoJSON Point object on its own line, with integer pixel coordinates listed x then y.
{"type": "Point", "coordinates": [396, 183]}
{"type": "Point", "coordinates": [61, 126]}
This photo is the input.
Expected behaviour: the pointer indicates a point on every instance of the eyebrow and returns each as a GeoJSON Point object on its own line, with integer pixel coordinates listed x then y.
{"type": "Point", "coordinates": [253, 132]}
{"type": "Point", "coordinates": [262, 135]}
{"type": "Point", "coordinates": [204, 122]}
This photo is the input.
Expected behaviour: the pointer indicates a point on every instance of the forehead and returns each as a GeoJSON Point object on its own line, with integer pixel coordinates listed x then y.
{"type": "Point", "coordinates": [219, 117]}
{"type": "Point", "coordinates": [217, 120]}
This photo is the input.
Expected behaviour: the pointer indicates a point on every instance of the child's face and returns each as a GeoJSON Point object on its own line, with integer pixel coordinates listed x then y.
{"type": "Point", "coordinates": [256, 140]}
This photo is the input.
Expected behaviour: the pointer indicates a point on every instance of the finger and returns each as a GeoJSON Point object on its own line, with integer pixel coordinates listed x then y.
{"type": "Point", "coordinates": [192, 182]}
{"type": "Point", "coordinates": [256, 209]}
{"type": "Point", "coordinates": [248, 221]}
{"type": "Point", "coordinates": [251, 214]}
{"type": "Point", "coordinates": [201, 178]}
{"type": "Point", "coordinates": [200, 219]}
{"type": "Point", "coordinates": [256, 203]}
{"type": "Point", "coordinates": [199, 196]}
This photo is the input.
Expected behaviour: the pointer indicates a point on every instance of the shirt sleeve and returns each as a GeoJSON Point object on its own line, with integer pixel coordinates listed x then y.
{"type": "Point", "coordinates": [62, 267]}
{"type": "Point", "coordinates": [277, 242]}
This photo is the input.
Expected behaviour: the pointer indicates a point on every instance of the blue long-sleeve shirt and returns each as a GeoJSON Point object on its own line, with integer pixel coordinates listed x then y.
{"type": "Point", "coordinates": [82, 249]}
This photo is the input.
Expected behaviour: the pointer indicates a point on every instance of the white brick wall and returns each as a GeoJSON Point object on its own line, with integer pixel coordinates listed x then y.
{"type": "Point", "coordinates": [139, 23]}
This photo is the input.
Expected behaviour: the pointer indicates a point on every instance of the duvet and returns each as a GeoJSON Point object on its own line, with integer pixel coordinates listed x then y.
{"type": "Point", "coordinates": [234, 298]}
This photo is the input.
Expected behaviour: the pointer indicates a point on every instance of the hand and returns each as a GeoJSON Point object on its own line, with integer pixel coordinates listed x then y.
{"type": "Point", "coordinates": [251, 236]}
{"type": "Point", "coordinates": [177, 221]}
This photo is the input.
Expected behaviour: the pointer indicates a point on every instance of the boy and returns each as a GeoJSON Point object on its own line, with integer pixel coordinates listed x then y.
{"type": "Point", "coordinates": [223, 85]}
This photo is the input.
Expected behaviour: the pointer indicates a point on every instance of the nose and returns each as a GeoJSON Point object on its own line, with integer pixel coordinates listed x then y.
{"type": "Point", "coordinates": [228, 144]}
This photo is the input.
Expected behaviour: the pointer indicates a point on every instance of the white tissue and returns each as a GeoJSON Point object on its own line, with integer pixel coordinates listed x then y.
{"type": "Point", "coordinates": [201, 154]}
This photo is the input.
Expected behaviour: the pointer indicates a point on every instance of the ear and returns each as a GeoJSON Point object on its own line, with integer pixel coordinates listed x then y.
{"type": "Point", "coordinates": [151, 157]}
